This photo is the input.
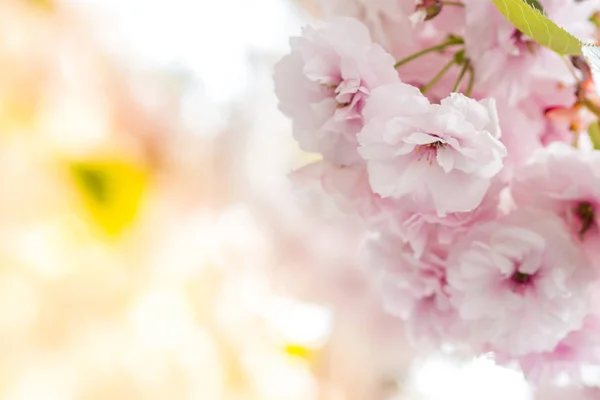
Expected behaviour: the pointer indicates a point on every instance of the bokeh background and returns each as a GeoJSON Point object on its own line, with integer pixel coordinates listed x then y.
{"type": "Point", "coordinates": [151, 243]}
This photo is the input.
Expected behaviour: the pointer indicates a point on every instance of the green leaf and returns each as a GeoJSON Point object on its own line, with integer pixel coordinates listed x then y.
{"type": "Point", "coordinates": [594, 134]}
{"type": "Point", "coordinates": [529, 20]}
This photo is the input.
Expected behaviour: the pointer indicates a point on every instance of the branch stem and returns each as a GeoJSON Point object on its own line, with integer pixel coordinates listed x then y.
{"type": "Point", "coordinates": [471, 80]}
{"type": "Point", "coordinates": [439, 47]}
{"type": "Point", "coordinates": [438, 76]}
{"type": "Point", "coordinates": [453, 3]}
{"type": "Point", "coordinates": [463, 71]}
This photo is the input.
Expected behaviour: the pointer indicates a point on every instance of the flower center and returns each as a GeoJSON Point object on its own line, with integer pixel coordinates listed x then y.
{"type": "Point", "coordinates": [585, 212]}
{"type": "Point", "coordinates": [430, 150]}
{"type": "Point", "coordinates": [523, 42]}
{"type": "Point", "coordinates": [346, 92]}
{"type": "Point", "coordinates": [521, 278]}
{"type": "Point", "coordinates": [521, 282]}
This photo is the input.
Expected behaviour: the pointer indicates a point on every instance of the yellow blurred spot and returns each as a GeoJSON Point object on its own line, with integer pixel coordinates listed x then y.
{"type": "Point", "coordinates": [298, 351]}
{"type": "Point", "coordinates": [46, 5]}
{"type": "Point", "coordinates": [111, 191]}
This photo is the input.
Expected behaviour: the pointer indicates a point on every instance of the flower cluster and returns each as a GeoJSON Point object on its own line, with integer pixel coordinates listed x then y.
{"type": "Point", "coordinates": [460, 144]}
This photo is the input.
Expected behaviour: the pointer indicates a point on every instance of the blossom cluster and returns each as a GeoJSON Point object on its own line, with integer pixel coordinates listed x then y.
{"type": "Point", "coordinates": [461, 145]}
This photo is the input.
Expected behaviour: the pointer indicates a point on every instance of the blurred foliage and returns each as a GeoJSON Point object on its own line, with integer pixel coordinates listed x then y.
{"type": "Point", "coordinates": [111, 191]}
{"type": "Point", "coordinates": [594, 133]}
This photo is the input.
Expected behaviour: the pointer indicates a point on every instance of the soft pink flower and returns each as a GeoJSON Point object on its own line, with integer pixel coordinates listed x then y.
{"type": "Point", "coordinates": [440, 155]}
{"type": "Point", "coordinates": [566, 182]}
{"type": "Point", "coordinates": [520, 134]}
{"type": "Point", "coordinates": [579, 349]}
{"type": "Point", "coordinates": [412, 289]}
{"type": "Point", "coordinates": [395, 24]}
{"type": "Point", "coordinates": [346, 189]}
{"type": "Point", "coordinates": [420, 228]}
{"type": "Point", "coordinates": [540, 119]}
{"type": "Point", "coordinates": [520, 283]}
{"type": "Point", "coordinates": [324, 83]}
{"type": "Point", "coordinates": [387, 20]}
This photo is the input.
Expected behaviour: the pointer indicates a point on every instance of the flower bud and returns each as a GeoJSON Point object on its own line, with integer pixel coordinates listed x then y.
{"type": "Point", "coordinates": [429, 8]}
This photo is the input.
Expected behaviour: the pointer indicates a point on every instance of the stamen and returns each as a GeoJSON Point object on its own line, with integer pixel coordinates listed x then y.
{"type": "Point", "coordinates": [585, 211]}
{"type": "Point", "coordinates": [430, 150]}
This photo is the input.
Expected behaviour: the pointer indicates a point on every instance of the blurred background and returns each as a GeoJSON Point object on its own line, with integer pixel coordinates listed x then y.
{"type": "Point", "coordinates": [151, 244]}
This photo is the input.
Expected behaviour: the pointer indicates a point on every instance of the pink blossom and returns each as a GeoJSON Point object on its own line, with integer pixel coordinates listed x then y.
{"type": "Point", "coordinates": [412, 289]}
{"type": "Point", "coordinates": [520, 283]}
{"type": "Point", "coordinates": [346, 189]}
{"type": "Point", "coordinates": [391, 22]}
{"type": "Point", "coordinates": [391, 25]}
{"type": "Point", "coordinates": [440, 155]}
{"type": "Point", "coordinates": [324, 83]}
{"type": "Point", "coordinates": [387, 20]}
{"type": "Point", "coordinates": [542, 118]}
{"type": "Point", "coordinates": [579, 349]}
{"type": "Point", "coordinates": [566, 182]}
{"type": "Point", "coordinates": [420, 228]}
{"type": "Point", "coordinates": [521, 127]}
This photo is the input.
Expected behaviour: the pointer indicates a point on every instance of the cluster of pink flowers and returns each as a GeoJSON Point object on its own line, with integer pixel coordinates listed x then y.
{"type": "Point", "coordinates": [461, 146]}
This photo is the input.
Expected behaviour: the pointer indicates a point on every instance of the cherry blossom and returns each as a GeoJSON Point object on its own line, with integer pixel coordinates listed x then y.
{"type": "Point", "coordinates": [323, 85]}
{"type": "Point", "coordinates": [579, 349]}
{"type": "Point", "coordinates": [566, 182]}
{"type": "Point", "coordinates": [387, 20]}
{"type": "Point", "coordinates": [420, 228]}
{"type": "Point", "coordinates": [521, 283]}
{"type": "Point", "coordinates": [414, 290]}
{"type": "Point", "coordinates": [441, 155]}
{"type": "Point", "coordinates": [346, 188]}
